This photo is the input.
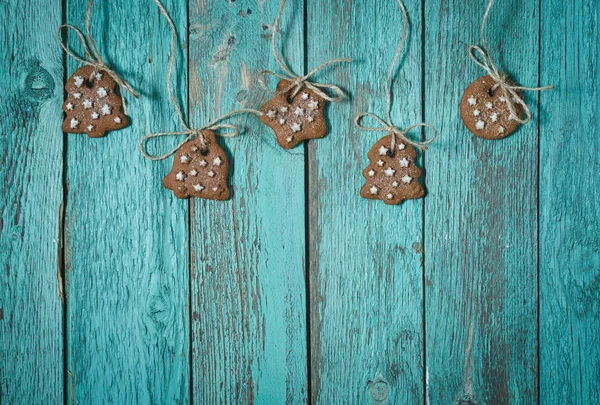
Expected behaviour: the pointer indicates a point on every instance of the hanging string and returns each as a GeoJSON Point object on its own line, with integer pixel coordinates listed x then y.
{"type": "Point", "coordinates": [298, 82]}
{"type": "Point", "coordinates": [510, 92]}
{"type": "Point", "coordinates": [190, 132]}
{"type": "Point", "coordinates": [387, 125]}
{"type": "Point", "coordinates": [92, 56]}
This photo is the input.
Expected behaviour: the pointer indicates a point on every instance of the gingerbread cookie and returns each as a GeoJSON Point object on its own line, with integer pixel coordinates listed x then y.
{"type": "Point", "coordinates": [392, 175]}
{"type": "Point", "coordinates": [92, 107]}
{"type": "Point", "coordinates": [295, 120]}
{"type": "Point", "coordinates": [485, 112]}
{"type": "Point", "coordinates": [199, 171]}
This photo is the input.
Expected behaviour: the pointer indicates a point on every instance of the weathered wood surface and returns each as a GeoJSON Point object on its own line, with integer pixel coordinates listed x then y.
{"type": "Point", "coordinates": [297, 290]}
{"type": "Point", "coordinates": [31, 163]}
{"type": "Point", "coordinates": [365, 256]}
{"type": "Point", "coordinates": [126, 236]}
{"type": "Point", "coordinates": [480, 215]}
{"type": "Point", "coordinates": [570, 204]}
{"type": "Point", "coordinates": [248, 285]}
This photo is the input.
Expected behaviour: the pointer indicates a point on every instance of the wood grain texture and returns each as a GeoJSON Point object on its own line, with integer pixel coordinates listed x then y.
{"type": "Point", "coordinates": [126, 236]}
{"type": "Point", "coordinates": [366, 257]}
{"type": "Point", "coordinates": [248, 285]}
{"type": "Point", "coordinates": [481, 215]}
{"type": "Point", "coordinates": [31, 147]}
{"type": "Point", "coordinates": [570, 204]}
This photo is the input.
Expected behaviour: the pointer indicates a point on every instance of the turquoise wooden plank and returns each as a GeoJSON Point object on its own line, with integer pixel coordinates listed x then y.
{"type": "Point", "coordinates": [366, 257]}
{"type": "Point", "coordinates": [570, 204]}
{"type": "Point", "coordinates": [126, 237]}
{"type": "Point", "coordinates": [248, 284]}
{"type": "Point", "coordinates": [481, 215]}
{"type": "Point", "coordinates": [31, 146]}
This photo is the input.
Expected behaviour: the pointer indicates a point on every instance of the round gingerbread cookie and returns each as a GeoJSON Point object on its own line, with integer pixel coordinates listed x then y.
{"type": "Point", "coordinates": [485, 112]}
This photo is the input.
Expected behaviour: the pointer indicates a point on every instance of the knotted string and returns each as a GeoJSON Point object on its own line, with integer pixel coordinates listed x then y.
{"type": "Point", "coordinates": [387, 125]}
{"type": "Point", "coordinates": [510, 92]}
{"type": "Point", "coordinates": [298, 82]}
{"type": "Point", "coordinates": [190, 132]}
{"type": "Point", "coordinates": [93, 56]}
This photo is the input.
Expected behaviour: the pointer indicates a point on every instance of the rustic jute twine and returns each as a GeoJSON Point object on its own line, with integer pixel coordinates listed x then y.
{"type": "Point", "coordinates": [190, 132]}
{"type": "Point", "coordinates": [387, 125]}
{"type": "Point", "coordinates": [93, 56]}
{"type": "Point", "coordinates": [298, 82]}
{"type": "Point", "coordinates": [484, 59]}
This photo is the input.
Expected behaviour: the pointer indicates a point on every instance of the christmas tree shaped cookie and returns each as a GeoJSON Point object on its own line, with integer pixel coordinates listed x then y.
{"type": "Point", "coordinates": [295, 119]}
{"type": "Point", "coordinates": [392, 175]}
{"type": "Point", "coordinates": [92, 107]}
{"type": "Point", "coordinates": [200, 170]}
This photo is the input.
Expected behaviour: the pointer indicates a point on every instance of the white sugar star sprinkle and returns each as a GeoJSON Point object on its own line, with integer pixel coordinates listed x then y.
{"type": "Point", "coordinates": [299, 111]}
{"type": "Point", "coordinates": [69, 106]}
{"type": "Point", "coordinates": [310, 118]}
{"type": "Point", "coordinates": [90, 127]}
{"type": "Point", "coordinates": [304, 96]}
{"type": "Point", "coordinates": [476, 113]}
{"type": "Point", "coordinates": [480, 124]}
{"type": "Point", "coordinates": [296, 127]}
{"type": "Point", "coordinates": [101, 92]}
{"type": "Point", "coordinates": [87, 103]}
{"type": "Point", "coordinates": [217, 161]}
{"type": "Point", "coordinates": [472, 100]}
{"type": "Point", "coordinates": [283, 110]}
{"type": "Point", "coordinates": [494, 117]}
{"type": "Point", "coordinates": [389, 196]}
{"type": "Point", "coordinates": [289, 139]}
{"type": "Point", "coordinates": [401, 146]}
{"type": "Point", "coordinates": [406, 179]}
{"type": "Point", "coordinates": [215, 188]}
{"type": "Point", "coordinates": [180, 176]}
{"type": "Point", "coordinates": [503, 99]}
{"type": "Point", "coordinates": [193, 173]}
{"type": "Point", "coordinates": [78, 81]}
{"type": "Point", "coordinates": [501, 130]}
{"type": "Point", "coordinates": [373, 190]}
{"type": "Point", "coordinates": [380, 163]}
{"type": "Point", "coordinates": [211, 173]}
{"type": "Point", "coordinates": [118, 120]}
{"type": "Point", "coordinates": [371, 173]}
{"type": "Point", "coordinates": [77, 95]}
{"type": "Point", "coordinates": [198, 187]}
{"type": "Point", "coordinates": [95, 115]}
{"type": "Point", "coordinates": [313, 104]}
{"type": "Point", "coordinates": [395, 184]}
{"type": "Point", "coordinates": [403, 162]}
{"type": "Point", "coordinates": [271, 114]}
{"type": "Point", "coordinates": [74, 123]}
{"type": "Point", "coordinates": [389, 172]}
{"type": "Point", "coordinates": [98, 76]}
{"type": "Point", "coordinates": [203, 163]}
{"type": "Point", "coordinates": [282, 121]}
{"type": "Point", "coordinates": [194, 148]}
{"type": "Point", "coordinates": [489, 105]}
{"type": "Point", "coordinates": [383, 150]}
{"type": "Point", "coordinates": [105, 109]}
{"type": "Point", "coordinates": [184, 159]}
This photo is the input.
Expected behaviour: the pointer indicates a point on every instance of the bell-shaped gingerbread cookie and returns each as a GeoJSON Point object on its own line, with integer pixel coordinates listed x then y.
{"type": "Point", "coordinates": [485, 112]}
{"type": "Point", "coordinates": [92, 107]}
{"type": "Point", "coordinates": [200, 169]}
{"type": "Point", "coordinates": [392, 175]}
{"type": "Point", "coordinates": [295, 119]}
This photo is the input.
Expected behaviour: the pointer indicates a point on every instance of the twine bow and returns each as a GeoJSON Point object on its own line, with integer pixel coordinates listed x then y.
{"type": "Point", "coordinates": [482, 57]}
{"type": "Point", "coordinates": [298, 82]}
{"type": "Point", "coordinates": [387, 125]}
{"type": "Point", "coordinates": [93, 56]}
{"type": "Point", "coordinates": [190, 132]}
